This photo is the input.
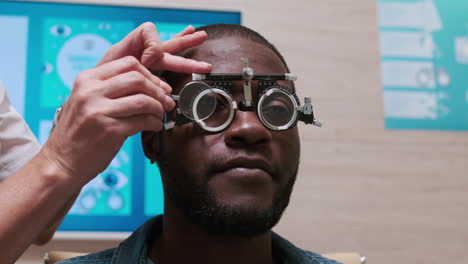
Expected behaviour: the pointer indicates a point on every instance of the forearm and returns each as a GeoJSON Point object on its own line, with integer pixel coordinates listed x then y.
{"type": "Point", "coordinates": [49, 231]}
{"type": "Point", "coordinates": [30, 200]}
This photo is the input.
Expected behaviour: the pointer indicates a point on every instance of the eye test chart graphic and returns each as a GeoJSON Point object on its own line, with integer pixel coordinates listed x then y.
{"type": "Point", "coordinates": [424, 59]}
{"type": "Point", "coordinates": [44, 46]}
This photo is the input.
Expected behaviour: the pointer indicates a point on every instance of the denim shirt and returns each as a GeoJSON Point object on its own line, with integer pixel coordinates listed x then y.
{"type": "Point", "coordinates": [135, 249]}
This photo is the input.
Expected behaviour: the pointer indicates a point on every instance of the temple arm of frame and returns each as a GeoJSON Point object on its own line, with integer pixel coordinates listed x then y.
{"type": "Point", "coordinates": [306, 113]}
{"type": "Point", "coordinates": [180, 119]}
{"type": "Point", "coordinates": [309, 119]}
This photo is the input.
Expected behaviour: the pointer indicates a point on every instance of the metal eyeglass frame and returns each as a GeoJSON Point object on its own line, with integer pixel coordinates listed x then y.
{"type": "Point", "coordinates": [220, 83]}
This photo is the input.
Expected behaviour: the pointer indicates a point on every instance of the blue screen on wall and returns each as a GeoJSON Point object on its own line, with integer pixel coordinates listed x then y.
{"type": "Point", "coordinates": [424, 58]}
{"type": "Point", "coordinates": [43, 47]}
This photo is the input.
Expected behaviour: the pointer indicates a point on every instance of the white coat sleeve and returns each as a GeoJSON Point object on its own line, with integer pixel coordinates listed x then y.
{"type": "Point", "coordinates": [17, 143]}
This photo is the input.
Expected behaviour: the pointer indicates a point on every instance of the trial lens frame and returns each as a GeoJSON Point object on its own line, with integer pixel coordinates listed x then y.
{"type": "Point", "coordinates": [266, 81]}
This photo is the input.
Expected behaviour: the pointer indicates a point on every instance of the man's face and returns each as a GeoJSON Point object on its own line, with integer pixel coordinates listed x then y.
{"type": "Point", "coordinates": [237, 182]}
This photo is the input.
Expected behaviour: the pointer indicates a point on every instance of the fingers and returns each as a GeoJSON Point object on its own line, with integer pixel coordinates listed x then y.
{"type": "Point", "coordinates": [128, 64]}
{"type": "Point", "coordinates": [158, 56]}
{"type": "Point", "coordinates": [134, 83]}
{"type": "Point", "coordinates": [179, 64]}
{"type": "Point", "coordinates": [145, 122]}
{"type": "Point", "coordinates": [149, 34]}
{"type": "Point", "coordinates": [134, 105]}
{"type": "Point", "coordinates": [144, 44]}
{"type": "Point", "coordinates": [188, 30]}
{"type": "Point", "coordinates": [152, 53]}
{"type": "Point", "coordinates": [178, 44]}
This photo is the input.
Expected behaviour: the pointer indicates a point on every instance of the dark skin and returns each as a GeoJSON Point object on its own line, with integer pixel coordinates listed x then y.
{"type": "Point", "coordinates": [264, 162]}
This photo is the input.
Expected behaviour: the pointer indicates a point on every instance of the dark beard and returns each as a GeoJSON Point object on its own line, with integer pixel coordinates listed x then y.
{"type": "Point", "coordinates": [199, 204]}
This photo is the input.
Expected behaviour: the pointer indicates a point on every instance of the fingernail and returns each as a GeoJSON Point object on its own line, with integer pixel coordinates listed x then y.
{"type": "Point", "coordinates": [200, 33]}
{"type": "Point", "coordinates": [169, 103]}
{"type": "Point", "coordinates": [206, 64]}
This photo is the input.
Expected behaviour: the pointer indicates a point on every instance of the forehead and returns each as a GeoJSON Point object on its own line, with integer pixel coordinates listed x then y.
{"type": "Point", "coordinates": [225, 55]}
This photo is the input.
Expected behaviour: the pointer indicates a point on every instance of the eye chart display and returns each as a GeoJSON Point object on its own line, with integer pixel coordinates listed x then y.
{"type": "Point", "coordinates": [424, 62]}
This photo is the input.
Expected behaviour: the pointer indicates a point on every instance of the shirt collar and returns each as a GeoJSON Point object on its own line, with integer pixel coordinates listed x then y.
{"type": "Point", "coordinates": [135, 248]}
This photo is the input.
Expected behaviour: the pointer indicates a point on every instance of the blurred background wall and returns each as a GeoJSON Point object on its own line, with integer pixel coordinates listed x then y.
{"type": "Point", "coordinates": [394, 196]}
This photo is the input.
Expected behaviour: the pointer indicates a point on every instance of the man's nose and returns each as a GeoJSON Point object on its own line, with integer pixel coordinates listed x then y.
{"type": "Point", "coordinates": [246, 129]}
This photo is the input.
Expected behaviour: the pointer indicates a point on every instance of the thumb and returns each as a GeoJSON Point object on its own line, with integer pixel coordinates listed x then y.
{"type": "Point", "coordinates": [144, 37]}
{"type": "Point", "coordinates": [153, 52]}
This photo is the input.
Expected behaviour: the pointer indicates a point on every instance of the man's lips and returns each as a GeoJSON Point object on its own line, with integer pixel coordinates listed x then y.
{"type": "Point", "coordinates": [244, 163]}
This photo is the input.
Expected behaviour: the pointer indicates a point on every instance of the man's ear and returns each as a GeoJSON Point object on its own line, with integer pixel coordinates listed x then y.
{"type": "Point", "coordinates": [150, 142]}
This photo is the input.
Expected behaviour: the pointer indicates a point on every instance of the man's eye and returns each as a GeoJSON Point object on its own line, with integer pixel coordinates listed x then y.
{"type": "Point", "coordinates": [223, 105]}
{"type": "Point", "coordinates": [276, 113]}
{"type": "Point", "coordinates": [275, 110]}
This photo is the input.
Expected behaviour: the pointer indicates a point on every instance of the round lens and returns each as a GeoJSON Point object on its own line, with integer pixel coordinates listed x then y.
{"type": "Point", "coordinates": [205, 106]}
{"type": "Point", "coordinates": [277, 109]}
{"type": "Point", "coordinates": [222, 114]}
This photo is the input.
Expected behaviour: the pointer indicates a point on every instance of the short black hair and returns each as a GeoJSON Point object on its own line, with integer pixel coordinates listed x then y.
{"type": "Point", "coordinates": [217, 31]}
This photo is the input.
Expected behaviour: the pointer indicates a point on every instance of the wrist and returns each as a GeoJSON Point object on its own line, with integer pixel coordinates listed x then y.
{"type": "Point", "coordinates": [53, 170]}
